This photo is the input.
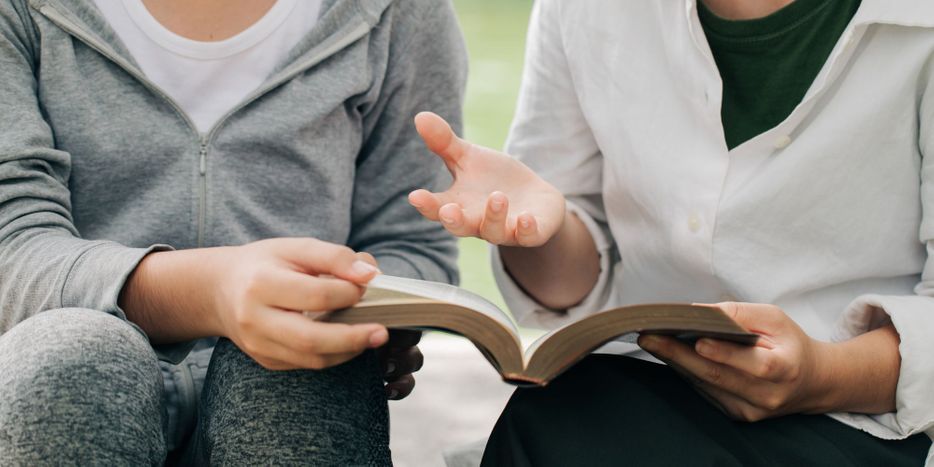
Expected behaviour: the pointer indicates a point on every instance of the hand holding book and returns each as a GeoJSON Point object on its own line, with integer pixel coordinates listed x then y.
{"type": "Point", "coordinates": [786, 371]}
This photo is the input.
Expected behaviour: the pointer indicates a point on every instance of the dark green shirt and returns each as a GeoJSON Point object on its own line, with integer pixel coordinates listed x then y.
{"type": "Point", "coordinates": [768, 64]}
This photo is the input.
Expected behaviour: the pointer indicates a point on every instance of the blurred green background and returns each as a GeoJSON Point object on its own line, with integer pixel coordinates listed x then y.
{"type": "Point", "coordinates": [495, 33]}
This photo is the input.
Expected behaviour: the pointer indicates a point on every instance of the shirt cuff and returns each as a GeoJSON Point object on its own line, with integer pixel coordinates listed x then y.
{"type": "Point", "coordinates": [530, 313]}
{"type": "Point", "coordinates": [913, 317]}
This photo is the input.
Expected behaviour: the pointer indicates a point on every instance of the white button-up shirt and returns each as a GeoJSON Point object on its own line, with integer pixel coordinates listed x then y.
{"type": "Point", "coordinates": [829, 215]}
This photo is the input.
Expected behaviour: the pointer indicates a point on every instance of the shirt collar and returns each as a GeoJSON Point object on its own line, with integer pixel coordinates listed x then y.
{"type": "Point", "coordinates": [918, 13]}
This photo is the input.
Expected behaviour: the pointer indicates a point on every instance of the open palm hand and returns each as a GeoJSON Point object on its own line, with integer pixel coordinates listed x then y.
{"type": "Point", "coordinates": [493, 197]}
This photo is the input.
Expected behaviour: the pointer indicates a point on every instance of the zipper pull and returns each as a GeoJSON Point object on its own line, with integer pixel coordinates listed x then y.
{"type": "Point", "coordinates": [203, 162]}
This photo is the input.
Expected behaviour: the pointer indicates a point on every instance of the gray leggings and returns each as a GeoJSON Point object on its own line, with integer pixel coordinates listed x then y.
{"type": "Point", "coordinates": [83, 387]}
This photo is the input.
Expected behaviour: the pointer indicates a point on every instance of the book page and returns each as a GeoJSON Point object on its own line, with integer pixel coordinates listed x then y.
{"type": "Point", "coordinates": [622, 345]}
{"type": "Point", "coordinates": [445, 293]}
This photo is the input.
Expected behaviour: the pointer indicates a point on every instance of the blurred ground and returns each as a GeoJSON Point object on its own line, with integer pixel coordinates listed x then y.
{"type": "Point", "coordinates": [458, 396]}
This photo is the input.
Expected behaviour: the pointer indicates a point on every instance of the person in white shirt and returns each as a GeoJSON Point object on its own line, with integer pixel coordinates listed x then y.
{"type": "Point", "coordinates": [770, 155]}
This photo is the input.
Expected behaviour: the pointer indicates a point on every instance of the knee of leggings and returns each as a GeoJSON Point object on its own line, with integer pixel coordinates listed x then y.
{"type": "Point", "coordinates": [76, 354]}
{"type": "Point", "coordinates": [336, 416]}
{"type": "Point", "coordinates": [71, 342]}
{"type": "Point", "coordinates": [83, 383]}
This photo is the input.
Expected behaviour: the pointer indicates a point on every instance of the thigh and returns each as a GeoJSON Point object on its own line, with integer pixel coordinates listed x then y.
{"type": "Point", "coordinates": [250, 415]}
{"type": "Point", "coordinates": [611, 410]}
{"type": "Point", "coordinates": [79, 386]}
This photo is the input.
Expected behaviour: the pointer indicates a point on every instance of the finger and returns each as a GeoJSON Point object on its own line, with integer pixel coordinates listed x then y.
{"type": "Point", "coordinates": [709, 372]}
{"type": "Point", "coordinates": [756, 361]}
{"type": "Point", "coordinates": [292, 290]}
{"type": "Point", "coordinates": [286, 358]}
{"type": "Point", "coordinates": [276, 356]}
{"type": "Point", "coordinates": [757, 318]}
{"type": "Point", "coordinates": [699, 388]}
{"type": "Point", "coordinates": [734, 406]}
{"type": "Point", "coordinates": [403, 362]}
{"type": "Point", "coordinates": [454, 220]}
{"type": "Point", "coordinates": [401, 388]}
{"type": "Point", "coordinates": [403, 338]}
{"type": "Point", "coordinates": [527, 231]}
{"type": "Point", "coordinates": [317, 257]}
{"type": "Point", "coordinates": [271, 363]}
{"type": "Point", "coordinates": [367, 258]}
{"type": "Point", "coordinates": [677, 369]}
{"type": "Point", "coordinates": [427, 204]}
{"type": "Point", "coordinates": [302, 335]}
{"type": "Point", "coordinates": [440, 138]}
{"type": "Point", "coordinates": [493, 227]}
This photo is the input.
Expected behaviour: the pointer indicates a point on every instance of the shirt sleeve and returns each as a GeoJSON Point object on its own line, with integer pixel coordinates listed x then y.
{"type": "Point", "coordinates": [530, 313]}
{"type": "Point", "coordinates": [912, 316]}
{"type": "Point", "coordinates": [427, 71]}
{"type": "Point", "coordinates": [44, 264]}
{"type": "Point", "coordinates": [550, 135]}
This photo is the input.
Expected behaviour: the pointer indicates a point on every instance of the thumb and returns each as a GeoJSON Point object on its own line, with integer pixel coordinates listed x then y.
{"type": "Point", "coordinates": [440, 138]}
{"type": "Point", "coordinates": [758, 318]}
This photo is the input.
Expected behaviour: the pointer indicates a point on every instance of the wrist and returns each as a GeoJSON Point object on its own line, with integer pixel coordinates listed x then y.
{"type": "Point", "coordinates": [213, 265]}
{"type": "Point", "coordinates": [823, 393]}
{"type": "Point", "coordinates": [172, 295]}
{"type": "Point", "coordinates": [560, 273]}
{"type": "Point", "coordinates": [858, 375]}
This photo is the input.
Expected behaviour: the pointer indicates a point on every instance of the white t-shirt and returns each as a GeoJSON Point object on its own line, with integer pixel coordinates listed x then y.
{"type": "Point", "coordinates": [207, 79]}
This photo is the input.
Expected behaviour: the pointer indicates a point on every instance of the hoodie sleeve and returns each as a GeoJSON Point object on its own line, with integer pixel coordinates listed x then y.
{"type": "Point", "coordinates": [427, 66]}
{"type": "Point", "coordinates": [44, 264]}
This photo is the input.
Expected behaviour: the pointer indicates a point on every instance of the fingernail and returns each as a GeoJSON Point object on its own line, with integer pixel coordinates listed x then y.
{"type": "Point", "coordinates": [379, 337]}
{"type": "Point", "coordinates": [363, 268]}
{"type": "Point", "coordinates": [496, 205]}
{"type": "Point", "coordinates": [705, 347]}
{"type": "Point", "coordinates": [525, 223]}
{"type": "Point", "coordinates": [649, 342]}
{"type": "Point", "coordinates": [390, 367]}
{"type": "Point", "coordinates": [447, 220]}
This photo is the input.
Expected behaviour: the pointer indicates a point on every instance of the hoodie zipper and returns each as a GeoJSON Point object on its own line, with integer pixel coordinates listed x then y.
{"type": "Point", "coordinates": [341, 40]}
{"type": "Point", "coordinates": [202, 188]}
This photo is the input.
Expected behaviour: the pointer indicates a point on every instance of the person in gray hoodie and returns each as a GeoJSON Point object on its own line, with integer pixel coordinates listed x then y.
{"type": "Point", "coordinates": [131, 232]}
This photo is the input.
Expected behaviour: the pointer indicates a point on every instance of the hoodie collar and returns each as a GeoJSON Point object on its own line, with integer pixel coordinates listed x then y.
{"type": "Point", "coordinates": [335, 18]}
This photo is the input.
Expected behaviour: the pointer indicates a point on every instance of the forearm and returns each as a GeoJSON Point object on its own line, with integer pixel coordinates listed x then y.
{"type": "Point", "coordinates": [859, 375]}
{"type": "Point", "coordinates": [560, 273]}
{"type": "Point", "coordinates": [169, 295]}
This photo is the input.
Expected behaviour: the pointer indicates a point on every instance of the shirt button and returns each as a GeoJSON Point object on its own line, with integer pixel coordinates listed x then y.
{"type": "Point", "coordinates": [694, 224]}
{"type": "Point", "coordinates": [782, 142]}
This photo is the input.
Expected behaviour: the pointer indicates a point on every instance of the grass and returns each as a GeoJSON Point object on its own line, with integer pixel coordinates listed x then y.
{"type": "Point", "coordinates": [495, 32]}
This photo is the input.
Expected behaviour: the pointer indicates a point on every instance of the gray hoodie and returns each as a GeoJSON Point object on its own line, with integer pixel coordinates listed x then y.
{"type": "Point", "coordinates": [98, 167]}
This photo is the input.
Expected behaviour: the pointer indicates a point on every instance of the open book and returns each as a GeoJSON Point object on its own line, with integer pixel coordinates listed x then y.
{"type": "Point", "coordinates": [413, 304]}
